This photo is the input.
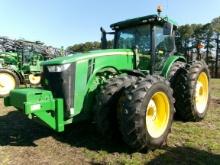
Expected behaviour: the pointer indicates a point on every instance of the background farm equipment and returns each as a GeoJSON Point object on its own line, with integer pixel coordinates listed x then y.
{"type": "Point", "coordinates": [130, 90]}
{"type": "Point", "coordinates": [20, 63]}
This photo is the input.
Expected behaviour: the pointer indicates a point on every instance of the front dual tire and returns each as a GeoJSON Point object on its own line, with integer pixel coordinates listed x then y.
{"type": "Point", "coordinates": [146, 113]}
{"type": "Point", "coordinates": [138, 109]}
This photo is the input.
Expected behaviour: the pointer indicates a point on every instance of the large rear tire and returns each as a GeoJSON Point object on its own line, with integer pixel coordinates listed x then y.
{"type": "Point", "coordinates": [145, 113]}
{"type": "Point", "coordinates": [8, 81]}
{"type": "Point", "coordinates": [191, 91]}
{"type": "Point", "coordinates": [106, 104]}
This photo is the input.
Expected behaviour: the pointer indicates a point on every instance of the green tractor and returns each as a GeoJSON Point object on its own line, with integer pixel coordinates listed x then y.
{"type": "Point", "coordinates": [19, 68]}
{"type": "Point", "coordinates": [132, 90]}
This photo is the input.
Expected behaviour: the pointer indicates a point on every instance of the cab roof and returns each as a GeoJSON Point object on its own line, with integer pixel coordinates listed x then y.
{"type": "Point", "coordinates": [142, 20]}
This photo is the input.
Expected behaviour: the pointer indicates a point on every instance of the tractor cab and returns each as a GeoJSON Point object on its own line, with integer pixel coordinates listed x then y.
{"type": "Point", "coordinates": [29, 58]}
{"type": "Point", "coordinates": [152, 39]}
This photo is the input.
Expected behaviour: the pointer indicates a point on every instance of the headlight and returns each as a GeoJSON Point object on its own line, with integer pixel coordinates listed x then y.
{"type": "Point", "coordinates": [58, 68]}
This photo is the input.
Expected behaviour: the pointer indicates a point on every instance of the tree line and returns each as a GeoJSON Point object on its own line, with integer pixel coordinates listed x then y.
{"type": "Point", "coordinates": [87, 46]}
{"type": "Point", "coordinates": [191, 35]}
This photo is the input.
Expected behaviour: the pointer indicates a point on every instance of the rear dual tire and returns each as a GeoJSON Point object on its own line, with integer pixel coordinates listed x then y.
{"type": "Point", "coordinates": [191, 91]}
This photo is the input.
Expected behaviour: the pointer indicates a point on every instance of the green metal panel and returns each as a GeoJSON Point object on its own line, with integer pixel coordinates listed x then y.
{"type": "Point", "coordinates": [144, 63]}
{"type": "Point", "coordinates": [29, 68]}
{"type": "Point", "coordinates": [40, 104]}
{"type": "Point", "coordinates": [9, 58]}
{"type": "Point", "coordinates": [86, 75]}
{"type": "Point", "coordinates": [43, 104]}
{"type": "Point", "coordinates": [19, 96]}
{"type": "Point", "coordinates": [36, 67]}
{"type": "Point", "coordinates": [169, 62]}
{"type": "Point", "coordinates": [80, 85]}
{"type": "Point", "coordinates": [54, 121]}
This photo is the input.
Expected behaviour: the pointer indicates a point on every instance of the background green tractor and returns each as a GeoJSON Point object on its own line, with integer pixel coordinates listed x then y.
{"type": "Point", "coordinates": [20, 64]}
{"type": "Point", "coordinates": [129, 91]}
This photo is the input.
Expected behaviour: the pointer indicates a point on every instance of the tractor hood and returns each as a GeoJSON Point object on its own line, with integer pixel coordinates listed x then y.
{"type": "Point", "coordinates": [83, 56]}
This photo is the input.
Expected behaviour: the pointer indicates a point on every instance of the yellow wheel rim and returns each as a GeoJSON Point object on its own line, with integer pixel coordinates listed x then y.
{"type": "Point", "coordinates": [202, 92]}
{"type": "Point", "coordinates": [34, 79]}
{"type": "Point", "coordinates": [157, 114]}
{"type": "Point", "coordinates": [7, 83]}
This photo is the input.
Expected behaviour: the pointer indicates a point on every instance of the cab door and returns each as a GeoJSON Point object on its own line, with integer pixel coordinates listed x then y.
{"type": "Point", "coordinates": [164, 47]}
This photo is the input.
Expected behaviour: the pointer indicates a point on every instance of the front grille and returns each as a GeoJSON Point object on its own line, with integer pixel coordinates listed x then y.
{"type": "Point", "coordinates": [62, 85]}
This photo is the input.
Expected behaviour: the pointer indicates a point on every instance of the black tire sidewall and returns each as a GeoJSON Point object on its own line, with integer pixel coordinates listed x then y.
{"type": "Point", "coordinates": [106, 105]}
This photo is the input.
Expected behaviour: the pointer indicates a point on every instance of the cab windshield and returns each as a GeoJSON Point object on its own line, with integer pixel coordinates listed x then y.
{"type": "Point", "coordinates": [135, 36]}
{"type": "Point", "coordinates": [140, 36]}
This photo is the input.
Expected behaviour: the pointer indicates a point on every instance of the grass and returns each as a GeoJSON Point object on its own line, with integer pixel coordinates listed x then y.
{"type": "Point", "coordinates": [23, 142]}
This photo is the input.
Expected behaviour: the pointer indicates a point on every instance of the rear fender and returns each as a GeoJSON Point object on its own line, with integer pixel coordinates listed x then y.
{"type": "Point", "coordinates": [168, 64]}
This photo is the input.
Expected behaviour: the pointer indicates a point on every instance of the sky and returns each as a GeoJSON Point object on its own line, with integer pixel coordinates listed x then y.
{"type": "Point", "coordinates": [67, 22]}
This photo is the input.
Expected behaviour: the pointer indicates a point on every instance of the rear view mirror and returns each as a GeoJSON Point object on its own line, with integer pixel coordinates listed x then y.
{"type": "Point", "coordinates": [103, 39]}
{"type": "Point", "coordinates": [167, 29]}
